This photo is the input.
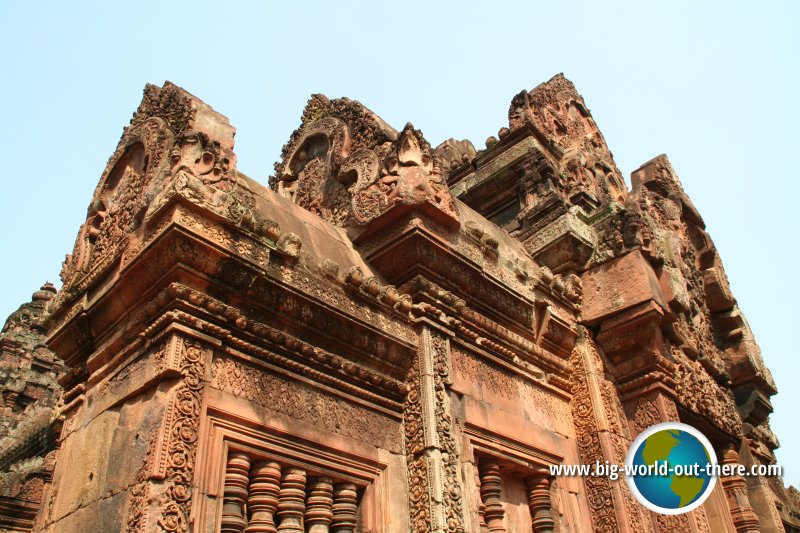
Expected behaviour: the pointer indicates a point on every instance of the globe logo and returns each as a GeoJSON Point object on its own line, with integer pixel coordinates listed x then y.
{"type": "Point", "coordinates": [671, 468]}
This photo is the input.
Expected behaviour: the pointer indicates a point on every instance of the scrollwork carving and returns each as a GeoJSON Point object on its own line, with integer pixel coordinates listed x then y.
{"type": "Point", "coordinates": [181, 439]}
{"type": "Point", "coordinates": [435, 498]}
{"type": "Point", "coordinates": [592, 418]}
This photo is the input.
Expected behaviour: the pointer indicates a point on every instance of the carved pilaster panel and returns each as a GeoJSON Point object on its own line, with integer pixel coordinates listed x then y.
{"type": "Point", "coordinates": [434, 488]}
{"type": "Point", "coordinates": [602, 436]}
{"type": "Point", "coordinates": [171, 455]}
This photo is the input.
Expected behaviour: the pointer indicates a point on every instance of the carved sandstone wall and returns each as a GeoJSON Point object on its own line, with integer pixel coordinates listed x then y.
{"type": "Point", "coordinates": [391, 337]}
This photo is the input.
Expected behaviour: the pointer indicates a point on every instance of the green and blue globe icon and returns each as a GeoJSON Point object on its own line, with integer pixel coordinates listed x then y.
{"type": "Point", "coordinates": [671, 468]}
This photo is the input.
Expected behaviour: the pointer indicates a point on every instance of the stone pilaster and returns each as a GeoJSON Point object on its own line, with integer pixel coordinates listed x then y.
{"type": "Point", "coordinates": [434, 487]}
{"type": "Point", "coordinates": [602, 436]}
{"type": "Point", "coordinates": [744, 518]}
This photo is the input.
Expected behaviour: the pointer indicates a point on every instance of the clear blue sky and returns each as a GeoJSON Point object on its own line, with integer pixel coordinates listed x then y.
{"type": "Point", "coordinates": [711, 84]}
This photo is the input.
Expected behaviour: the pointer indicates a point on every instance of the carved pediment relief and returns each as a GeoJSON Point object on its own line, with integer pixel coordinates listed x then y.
{"type": "Point", "coordinates": [174, 144]}
{"type": "Point", "coordinates": [410, 175]}
{"type": "Point", "coordinates": [121, 198]}
{"type": "Point", "coordinates": [348, 167]}
{"type": "Point", "coordinates": [308, 177]}
{"type": "Point", "coordinates": [564, 125]}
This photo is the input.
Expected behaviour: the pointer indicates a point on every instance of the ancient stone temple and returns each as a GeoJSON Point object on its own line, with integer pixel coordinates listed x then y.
{"type": "Point", "coordinates": [389, 337]}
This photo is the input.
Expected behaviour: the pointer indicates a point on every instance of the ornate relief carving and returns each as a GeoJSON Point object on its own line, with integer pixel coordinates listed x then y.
{"type": "Point", "coordinates": [598, 489]}
{"type": "Point", "coordinates": [444, 429]}
{"type": "Point", "coordinates": [347, 166]}
{"type": "Point", "coordinates": [434, 489]}
{"type": "Point", "coordinates": [120, 199]}
{"type": "Point", "coordinates": [308, 178]}
{"type": "Point", "coordinates": [300, 401]}
{"type": "Point", "coordinates": [607, 502]}
{"type": "Point", "coordinates": [340, 346]}
{"type": "Point", "coordinates": [333, 152]}
{"type": "Point", "coordinates": [410, 176]}
{"type": "Point", "coordinates": [565, 125]}
{"type": "Point", "coordinates": [181, 438]}
{"type": "Point", "coordinates": [700, 394]}
{"type": "Point", "coordinates": [644, 413]}
{"type": "Point", "coordinates": [330, 130]}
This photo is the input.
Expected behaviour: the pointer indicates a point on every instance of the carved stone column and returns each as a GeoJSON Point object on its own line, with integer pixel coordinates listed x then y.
{"type": "Point", "coordinates": [491, 488]}
{"type": "Point", "coordinates": [292, 500]}
{"type": "Point", "coordinates": [345, 507]}
{"type": "Point", "coordinates": [319, 512]}
{"type": "Point", "coordinates": [743, 515]}
{"type": "Point", "coordinates": [265, 479]}
{"type": "Point", "coordinates": [539, 502]}
{"type": "Point", "coordinates": [483, 528]}
{"type": "Point", "coordinates": [235, 493]}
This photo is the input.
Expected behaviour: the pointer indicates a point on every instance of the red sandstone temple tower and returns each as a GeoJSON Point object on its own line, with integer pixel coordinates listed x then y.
{"type": "Point", "coordinates": [388, 338]}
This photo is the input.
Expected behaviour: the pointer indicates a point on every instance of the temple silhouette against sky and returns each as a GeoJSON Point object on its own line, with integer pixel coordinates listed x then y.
{"type": "Point", "coordinates": [388, 337]}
